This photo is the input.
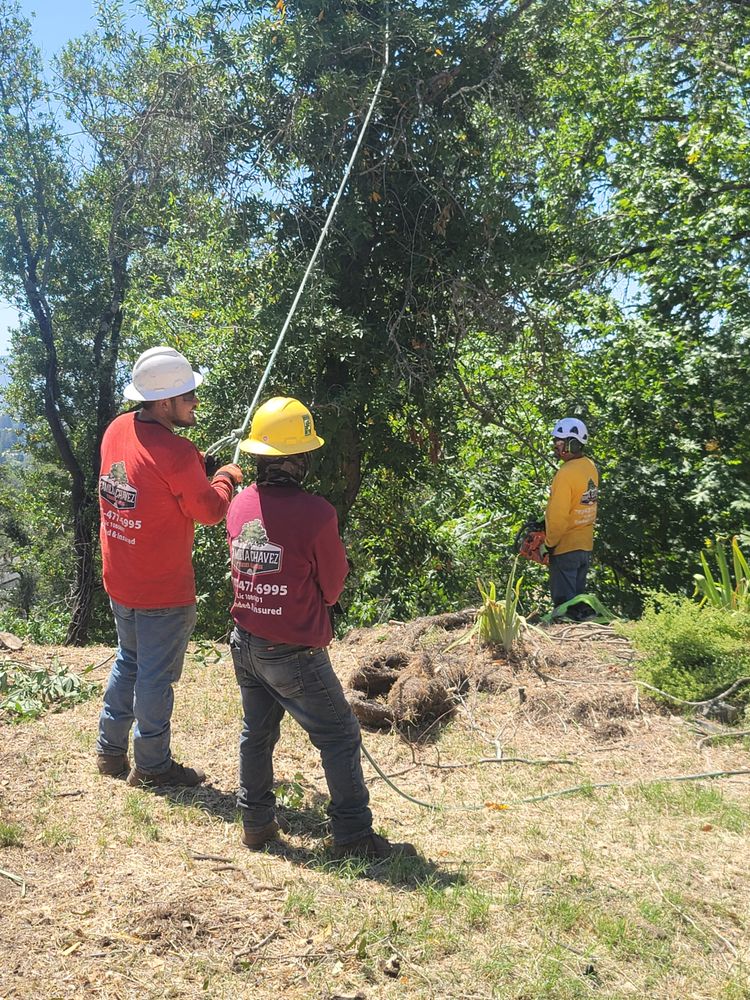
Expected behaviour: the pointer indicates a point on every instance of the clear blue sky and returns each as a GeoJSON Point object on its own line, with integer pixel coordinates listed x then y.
{"type": "Point", "coordinates": [54, 22]}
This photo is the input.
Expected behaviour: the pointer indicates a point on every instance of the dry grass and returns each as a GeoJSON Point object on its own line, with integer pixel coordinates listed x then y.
{"type": "Point", "coordinates": [627, 892]}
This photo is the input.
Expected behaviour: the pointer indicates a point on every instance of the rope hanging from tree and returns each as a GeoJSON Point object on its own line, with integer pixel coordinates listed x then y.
{"type": "Point", "coordinates": [237, 433]}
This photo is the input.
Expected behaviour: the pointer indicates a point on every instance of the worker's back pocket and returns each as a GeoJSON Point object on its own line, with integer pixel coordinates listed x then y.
{"type": "Point", "coordinates": [280, 668]}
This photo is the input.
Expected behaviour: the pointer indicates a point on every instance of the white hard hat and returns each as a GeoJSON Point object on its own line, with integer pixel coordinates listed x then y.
{"type": "Point", "coordinates": [571, 427]}
{"type": "Point", "coordinates": [161, 373]}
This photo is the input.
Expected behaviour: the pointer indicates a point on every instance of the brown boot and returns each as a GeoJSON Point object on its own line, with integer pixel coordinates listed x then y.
{"type": "Point", "coordinates": [373, 846]}
{"type": "Point", "coordinates": [256, 837]}
{"type": "Point", "coordinates": [178, 774]}
{"type": "Point", "coordinates": [113, 765]}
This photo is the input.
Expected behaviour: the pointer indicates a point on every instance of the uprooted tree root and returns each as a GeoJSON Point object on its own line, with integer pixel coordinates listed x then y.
{"type": "Point", "coordinates": [400, 690]}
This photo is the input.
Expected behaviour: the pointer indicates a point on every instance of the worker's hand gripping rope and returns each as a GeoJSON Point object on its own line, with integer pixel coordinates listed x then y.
{"type": "Point", "coordinates": [231, 472]}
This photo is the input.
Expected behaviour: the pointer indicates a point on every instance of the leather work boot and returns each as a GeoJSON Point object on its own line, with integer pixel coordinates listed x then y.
{"type": "Point", "coordinates": [178, 774]}
{"type": "Point", "coordinates": [256, 837]}
{"type": "Point", "coordinates": [113, 765]}
{"type": "Point", "coordinates": [373, 846]}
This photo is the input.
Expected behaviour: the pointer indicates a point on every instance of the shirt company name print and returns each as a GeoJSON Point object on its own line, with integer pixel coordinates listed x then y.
{"type": "Point", "coordinates": [119, 495]}
{"type": "Point", "coordinates": [255, 555]}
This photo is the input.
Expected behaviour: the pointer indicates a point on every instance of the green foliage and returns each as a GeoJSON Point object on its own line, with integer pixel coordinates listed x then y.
{"type": "Point", "coordinates": [498, 621]}
{"type": "Point", "coordinates": [549, 215]}
{"type": "Point", "coordinates": [35, 543]}
{"type": "Point", "coordinates": [206, 652]}
{"type": "Point", "coordinates": [48, 629]}
{"type": "Point", "coordinates": [691, 651]}
{"type": "Point", "coordinates": [290, 794]}
{"type": "Point", "coordinates": [28, 692]}
{"type": "Point", "coordinates": [213, 583]}
{"type": "Point", "coordinates": [725, 592]}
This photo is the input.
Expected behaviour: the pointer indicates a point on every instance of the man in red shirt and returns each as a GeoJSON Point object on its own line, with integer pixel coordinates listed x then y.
{"type": "Point", "coordinates": [288, 570]}
{"type": "Point", "coordinates": [152, 488]}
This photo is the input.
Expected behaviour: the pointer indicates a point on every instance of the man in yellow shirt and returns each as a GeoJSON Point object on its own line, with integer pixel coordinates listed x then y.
{"type": "Point", "coordinates": [571, 513]}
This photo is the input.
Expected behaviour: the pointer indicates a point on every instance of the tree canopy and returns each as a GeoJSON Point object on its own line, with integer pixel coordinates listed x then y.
{"type": "Point", "coordinates": [549, 216]}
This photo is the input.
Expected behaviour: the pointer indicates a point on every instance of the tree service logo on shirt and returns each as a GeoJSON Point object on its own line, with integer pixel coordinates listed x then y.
{"type": "Point", "coordinates": [252, 552]}
{"type": "Point", "coordinates": [115, 488]}
{"type": "Point", "coordinates": [592, 493]}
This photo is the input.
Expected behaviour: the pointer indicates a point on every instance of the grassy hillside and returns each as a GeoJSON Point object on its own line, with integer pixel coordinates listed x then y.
{"type": "Point", "coordinates": [639, 889]}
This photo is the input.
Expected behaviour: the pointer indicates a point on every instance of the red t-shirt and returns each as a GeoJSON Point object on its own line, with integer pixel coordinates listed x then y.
{"type": "Point", "coordinates": [152, 488]}
{"type": "Point", "coordinates": [288, 564]}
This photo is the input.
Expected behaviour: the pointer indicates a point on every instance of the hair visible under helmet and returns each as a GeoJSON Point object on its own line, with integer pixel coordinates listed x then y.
{"type": "Point", "coordinates": [282, 435]}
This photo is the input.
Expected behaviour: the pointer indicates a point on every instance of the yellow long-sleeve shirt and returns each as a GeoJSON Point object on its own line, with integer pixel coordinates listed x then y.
{"type": "Point", "coordinates": [571, 508]}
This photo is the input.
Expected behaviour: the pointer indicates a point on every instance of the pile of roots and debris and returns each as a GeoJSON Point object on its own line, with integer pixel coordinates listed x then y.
{"type": "Point", "coordinates": [400, 689]}
{"type": "Point", "coordinates": [397, 683]}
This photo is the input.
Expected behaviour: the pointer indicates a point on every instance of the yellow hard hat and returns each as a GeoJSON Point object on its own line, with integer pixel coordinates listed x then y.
{"type": "Point", "coordinates": [282, 426]}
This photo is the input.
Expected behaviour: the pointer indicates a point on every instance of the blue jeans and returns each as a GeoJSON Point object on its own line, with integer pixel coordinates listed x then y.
{"type": "Point", "coordinates": [275, 678]}
{"type": "Point", "coordinates": [567, 575]}
{"type": "Point", "coordinates": [149, 658]}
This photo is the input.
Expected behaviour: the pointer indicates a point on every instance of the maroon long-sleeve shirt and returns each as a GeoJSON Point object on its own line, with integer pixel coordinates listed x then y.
{"type": "Point", "coordinates": [288, 564]}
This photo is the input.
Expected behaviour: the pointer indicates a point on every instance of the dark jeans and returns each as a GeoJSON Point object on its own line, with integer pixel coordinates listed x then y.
{"type": "Point", "coordinates": [274, 678]}
{"type": "Point", "coordinates": [567, 575]}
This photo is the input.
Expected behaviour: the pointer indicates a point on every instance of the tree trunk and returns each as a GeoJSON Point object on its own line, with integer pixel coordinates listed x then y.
{"type": "Point", "coordinates": [84, 546]}
{"type": "Point", "coordinates": [340, 470]}
{"type": "Point", "coordinates": [84, 501]}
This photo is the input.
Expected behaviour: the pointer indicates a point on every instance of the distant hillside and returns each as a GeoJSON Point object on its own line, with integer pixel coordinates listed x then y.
{"type": "Point", "coordinates": [9, 428]}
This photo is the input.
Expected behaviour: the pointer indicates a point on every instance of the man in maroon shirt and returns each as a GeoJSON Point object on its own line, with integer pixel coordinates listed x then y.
{"type": "Point", "coordinates": [152, 489]}
{"type": "Point", "coordinates": [288, 570]}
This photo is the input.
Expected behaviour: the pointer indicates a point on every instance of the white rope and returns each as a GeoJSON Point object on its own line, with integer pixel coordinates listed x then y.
{"type": "Point", "coordinates": [237, 433]}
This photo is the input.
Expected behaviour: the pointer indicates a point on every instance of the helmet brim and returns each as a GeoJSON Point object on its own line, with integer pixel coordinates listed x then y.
{"type": "Point", "coordinates": [253, 447]}
{"type": "Point", "coordinates": [130, 391]}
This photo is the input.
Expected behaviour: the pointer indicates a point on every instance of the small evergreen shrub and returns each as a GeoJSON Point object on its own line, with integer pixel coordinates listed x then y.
{"type": "Point", "coordinates": [691, 651]}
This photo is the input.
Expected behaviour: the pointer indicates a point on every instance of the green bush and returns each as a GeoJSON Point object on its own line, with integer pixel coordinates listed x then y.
{"type": "Point", "coordinates": [47, 628]}
{"type": "Point", "coordinates": [730, 589]}
{"type": "Point", "coordinates": [691, 651]}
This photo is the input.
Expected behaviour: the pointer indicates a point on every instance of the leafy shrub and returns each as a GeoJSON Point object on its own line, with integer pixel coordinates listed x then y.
{"type": "Point", "coordinates": [46, 628]}
{"type": "Point", "coordinates": [26, 692]}
{"type": "Point", "coordinates": [498, 621]}
{"type": "Point", "coordinates": [691, 651]}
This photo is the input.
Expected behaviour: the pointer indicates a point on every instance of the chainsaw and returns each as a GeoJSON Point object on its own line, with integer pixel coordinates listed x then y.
{"type": "Point", "coordinates": [529, 542]}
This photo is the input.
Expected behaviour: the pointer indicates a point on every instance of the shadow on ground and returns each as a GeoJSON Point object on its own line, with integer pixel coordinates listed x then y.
{"type": "Point", "coordinates": [311, 824]}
